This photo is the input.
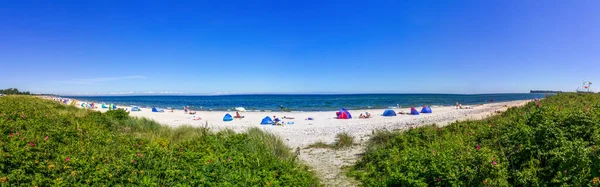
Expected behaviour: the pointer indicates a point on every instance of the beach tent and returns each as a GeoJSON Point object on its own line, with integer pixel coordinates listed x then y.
{"type": "Point", "coordinates": [389, 113]}
{"type": "Point", "coordinates": [426, 109]}
{"type": "Point", "coordinates": [227, 117]}
{"type": "Point", "coordinates": [266, 121]}
{"type": "Point", "coordinates": [156, 109]}
{"type": "Point", "coordinates": [104, 106]}
{"type": "Point", "coordinates": [343, 114]}
{"type": "Point", "coordinates": [135, 108]}
{"type": "Point", "coordinates": [413, 111]}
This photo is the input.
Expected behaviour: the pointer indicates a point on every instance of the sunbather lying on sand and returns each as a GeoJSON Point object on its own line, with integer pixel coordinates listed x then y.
{"type": "Point", "coordinates": [367, 115]}
{"type": "Point", "coordinates": [288, 117]}
{"type": "Point", "coordinates": [464, 107]}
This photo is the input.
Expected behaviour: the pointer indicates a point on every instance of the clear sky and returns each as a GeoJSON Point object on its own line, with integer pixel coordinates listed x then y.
{"type": "Point", "coordinates": [313, 46]}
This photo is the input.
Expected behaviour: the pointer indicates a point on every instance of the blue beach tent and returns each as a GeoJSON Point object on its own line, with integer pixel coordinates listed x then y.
{"type": "Point", "coordinates": [104, 106]}
{"type": "Point", "coordinates": [266, 121]}
{"type": "Point", "coordinates": [227, 117]}
{"type": "Point", "coordinates": [413, 111]}
{"type": "Point", "coordinates": [426, 109]}
{"type": "Point", "coordinates": [155, 109]}
{"type": "Point", "coordinates": [389, 113]}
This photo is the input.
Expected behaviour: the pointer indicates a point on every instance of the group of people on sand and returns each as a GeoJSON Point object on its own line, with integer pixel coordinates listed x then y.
{"type": "Point", "coordinates": [459, 106]}
{"type": "Point", "coordinates": [364, 116]}
{"type": "Point", "coordinates": [187, 110]}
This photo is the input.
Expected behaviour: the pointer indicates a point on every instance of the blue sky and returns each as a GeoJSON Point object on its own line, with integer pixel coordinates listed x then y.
{"type": "Point", "coordinates": [207, 47]}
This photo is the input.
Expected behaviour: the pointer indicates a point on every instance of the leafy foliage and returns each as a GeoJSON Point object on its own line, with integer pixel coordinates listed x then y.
{"type": "Point", "coordinates": [46, 143]}
{"type": "Point", "coordinates": [548, 143]}
{"type": "Point", "coordinates": [13, 91]}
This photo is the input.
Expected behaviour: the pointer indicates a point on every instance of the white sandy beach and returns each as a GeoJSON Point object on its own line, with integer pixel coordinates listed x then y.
{"type": "Point", "coordinates": [324, 127]}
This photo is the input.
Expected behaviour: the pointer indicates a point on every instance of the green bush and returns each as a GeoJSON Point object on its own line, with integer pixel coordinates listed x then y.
{"type": "Point", "coordinates": [46, 143]}
{"type": "Point", "coordinates": [549, 143]}
{"type": "Point", "coordinates": [118, 114]}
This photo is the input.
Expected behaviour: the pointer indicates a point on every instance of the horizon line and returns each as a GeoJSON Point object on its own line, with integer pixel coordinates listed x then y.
{"type": "Point", "coordinates": [244, 94]}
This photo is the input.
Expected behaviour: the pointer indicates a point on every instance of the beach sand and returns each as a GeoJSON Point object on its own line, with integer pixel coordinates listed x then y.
{"type": "Point", "coordinates": [324, 127]}
{"type": "Point", "coordinates": [327, 163]}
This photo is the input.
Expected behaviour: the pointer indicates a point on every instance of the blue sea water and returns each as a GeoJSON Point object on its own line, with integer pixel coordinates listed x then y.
{"type": "Point", "coordinates": [305, 102]}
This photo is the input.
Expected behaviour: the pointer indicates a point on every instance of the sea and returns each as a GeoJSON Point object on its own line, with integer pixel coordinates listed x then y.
{"type": "Point", "coordinates": [311, 102]}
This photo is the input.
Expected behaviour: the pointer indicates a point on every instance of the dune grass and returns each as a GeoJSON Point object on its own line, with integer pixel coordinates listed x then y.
{"type": "Point", "coordinates": [549, 143]}
{"type": "Point", "coordinates": [342, 140]}
{"type": "Point", "coordinates": [46, 143]}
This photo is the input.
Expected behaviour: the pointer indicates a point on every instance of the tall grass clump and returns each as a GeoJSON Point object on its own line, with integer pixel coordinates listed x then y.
{"type": "Point", "coordinates": [343, 140]}
{"type": "Point", "coordinates": [553, 142]}
{"type": "Point", "coordinates": [43, 143]}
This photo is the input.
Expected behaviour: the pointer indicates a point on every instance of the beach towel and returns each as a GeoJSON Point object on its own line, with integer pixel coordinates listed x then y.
{"type": "Point", "coordinates": [227, 117]}
{"type": "Point", "coordinates": [266, 121]}
{"type": "Point", "coordinates": [389, 113]}
{"type": "Point", "coordinates": [135, 108]}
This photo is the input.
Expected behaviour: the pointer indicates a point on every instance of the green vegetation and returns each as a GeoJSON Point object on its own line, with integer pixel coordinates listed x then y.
{"type": "Point", "coordinates": [319, 144]}
{"type": "Point", "coordinates": [13, 91]}
{"type": "Point", "coordinates": [549, 143]}
{"type": "Point", "coordinates": [342, 140]}
{"type": "Point", "coordinates": [46, 143]}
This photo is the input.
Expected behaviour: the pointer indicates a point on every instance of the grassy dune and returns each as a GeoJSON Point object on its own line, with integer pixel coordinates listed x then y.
{"type": "Point", "coordinates": [549, 143]}
{"type": "Point", "coordinates": [46, 143]}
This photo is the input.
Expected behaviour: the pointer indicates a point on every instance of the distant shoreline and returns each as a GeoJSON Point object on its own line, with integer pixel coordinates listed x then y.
{"type": "Point", "coordinates": [305, 103]}
{"type": "Point", "coordinates": [275, 94]}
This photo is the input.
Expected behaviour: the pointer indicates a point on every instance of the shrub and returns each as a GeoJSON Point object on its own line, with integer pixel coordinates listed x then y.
{"type": "Point", "coordinates": [118, 114]}
{"type": "Point", "coordinates": [549, 143]}
{"type": "Point", "coordinates": [49, 144]}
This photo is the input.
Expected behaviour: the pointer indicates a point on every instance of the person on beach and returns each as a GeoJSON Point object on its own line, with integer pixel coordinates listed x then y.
{"type": "Point", "coordinates": [276, 120]}
{"type": "Point", "coordinates": [281, 107]}
{"type": "Point", "coordinates": [185, 110]}
{"type": "Point", "coordinates": [457, 105]}
{"type": "Point", "coordinates": [237, 115]}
